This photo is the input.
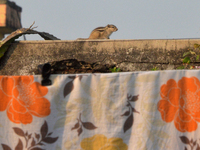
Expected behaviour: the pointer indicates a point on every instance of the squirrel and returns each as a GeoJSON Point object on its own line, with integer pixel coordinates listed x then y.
{"type": "Point", "coordinates": [101, 32]}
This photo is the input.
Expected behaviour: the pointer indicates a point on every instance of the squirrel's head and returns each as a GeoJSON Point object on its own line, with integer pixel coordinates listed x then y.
{"type": "Point", "coordinates": [113, 28]}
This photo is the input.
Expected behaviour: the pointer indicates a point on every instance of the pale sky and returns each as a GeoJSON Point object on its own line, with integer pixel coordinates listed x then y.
{"type": "Point", "coordinates": [135, 19]}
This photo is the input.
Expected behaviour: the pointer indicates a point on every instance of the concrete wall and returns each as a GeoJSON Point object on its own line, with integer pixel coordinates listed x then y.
{"type": "Point", "coordinates": [23, 57]}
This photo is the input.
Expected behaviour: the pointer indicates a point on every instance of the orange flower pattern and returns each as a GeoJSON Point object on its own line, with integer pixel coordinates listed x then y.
{"type": "Point", "coordinates": [180, 102]}
{"type": "Point", "coordinates": [21, 97]}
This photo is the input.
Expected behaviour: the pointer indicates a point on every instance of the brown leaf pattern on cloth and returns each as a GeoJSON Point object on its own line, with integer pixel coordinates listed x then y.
{"type": "Point", "coordinates": [191, 143]}
{"type": "Point", "coordinates": [33, 141]}
{"type": "Point", "coordinates": [70, 85]}
{"type": "Point", "coordinates": [129, 121]}
{"type": "Point", "coordinates": [80, 125]}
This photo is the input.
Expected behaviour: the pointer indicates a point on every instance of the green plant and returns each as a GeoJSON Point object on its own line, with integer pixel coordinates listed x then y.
{"type": "Point", "coordinates": [114, 69]}
{"type": "Point", "coordinates": [154, 69]}
{"type": "Point", "coordinates": [191, 55]}
{"type": "Point", "coordinates": [180, 67]}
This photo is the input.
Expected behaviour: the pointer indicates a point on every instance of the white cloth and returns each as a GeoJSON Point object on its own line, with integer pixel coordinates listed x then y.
{"type": "Point", "coordinates": [134, 110]}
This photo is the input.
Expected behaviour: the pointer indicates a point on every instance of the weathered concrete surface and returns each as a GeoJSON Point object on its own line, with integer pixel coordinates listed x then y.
{"type": "Point", "coordinates": [23, 57]}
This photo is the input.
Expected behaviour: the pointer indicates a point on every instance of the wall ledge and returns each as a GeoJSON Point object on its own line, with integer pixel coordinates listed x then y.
{"type": "Point", "coordinates": [23, 57]}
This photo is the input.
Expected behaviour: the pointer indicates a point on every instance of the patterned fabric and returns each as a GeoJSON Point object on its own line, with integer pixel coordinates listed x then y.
{"type": "Point", "coordinates": [117, 111]}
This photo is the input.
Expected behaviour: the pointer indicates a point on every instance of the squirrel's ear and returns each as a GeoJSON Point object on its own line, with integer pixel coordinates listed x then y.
{"type": "Point", "coordinates": [108, 25]}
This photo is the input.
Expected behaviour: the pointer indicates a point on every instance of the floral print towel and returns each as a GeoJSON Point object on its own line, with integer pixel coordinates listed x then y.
{"type": "Point", "coordinates": [117, 111]}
